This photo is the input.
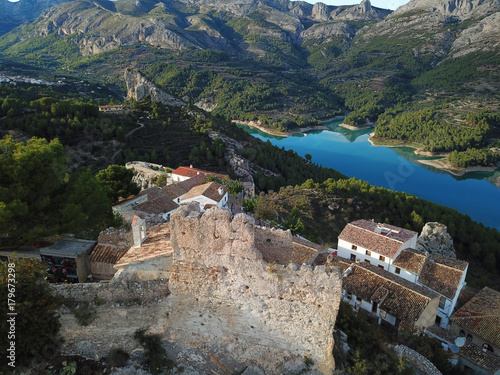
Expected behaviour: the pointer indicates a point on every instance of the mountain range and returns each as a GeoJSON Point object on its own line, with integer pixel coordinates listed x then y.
{"type": "Point", "coordinates": [298, 57]}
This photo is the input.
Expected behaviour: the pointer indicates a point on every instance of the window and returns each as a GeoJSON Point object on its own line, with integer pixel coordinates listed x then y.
{"type": "Point", "coordinates": [469, 337]}
{"type": "Point", "coordinates": [397, 270]}
{"type": "Point", "coordinates": [358, 299]}
{"type": "Point", "coordinates": [462, 333]}
{"type": "Point", "coordinates": [381, 267]}
{"type": "Point", "coordinates": [487, 347]}
{"type": "Point", "coordinates": [381, 258]}
{"type": "Point", "coordinates": [353, 257]}
{"type": "Point", "coordinates": [349, 296]}
{"type": "Point", "coordinates": [354, 247]}
{"type": "Point", "coordinates": [438, 320]}
{"type": "Point", "coordinates": [368, 252]}
{"type": "Point", "coordinates": [442, 302]}
{"type": "Point", "coordinates": [367, 261]}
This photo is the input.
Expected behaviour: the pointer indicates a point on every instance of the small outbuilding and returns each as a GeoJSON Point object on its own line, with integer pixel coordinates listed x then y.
{"type": "Point", "coordinates": [68, 260]}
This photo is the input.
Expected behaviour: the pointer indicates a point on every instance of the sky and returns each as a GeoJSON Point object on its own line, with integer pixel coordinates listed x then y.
{"type": "Point", "coordinates": [386, 4]}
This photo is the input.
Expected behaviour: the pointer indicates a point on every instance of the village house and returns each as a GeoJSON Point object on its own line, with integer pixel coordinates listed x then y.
{"type": "Point", "coordinates": [103, 259]}
{"type": "Point", "coordinates": [377, 244]}
{"type": "Point", "coordinates": [111, 108]}
{"type": "Point", "coordinates": [208, 195]}
{"type": "Point", "coordinates": [68, 260]}
{"type": "Point", "coordinates": [185, 173]}
{"type": "Point", "coordinates": [388, 298]}
{"type": "Point", "coordinates": [391, 248]}
{"type": "Point", "coordinates": [479, 320]}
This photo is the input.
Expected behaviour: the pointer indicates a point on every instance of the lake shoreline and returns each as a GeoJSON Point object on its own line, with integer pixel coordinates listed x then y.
{"type": "Point", "coordinates": [256, 125]}
{"type": "Point", "coordinates": [442, 163]}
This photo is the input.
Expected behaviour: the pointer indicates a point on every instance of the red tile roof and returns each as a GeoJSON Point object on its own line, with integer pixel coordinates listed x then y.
{"type": "Point", "coordinates": [481, 315]}
{"type": "Point", "coordinates": [209, 190]}
{"type": "Point", "coordinates": [470, 351]}
{"type": "Point", "coordinates": [387, 242]}
{"type": "Point", "coordinates": [156, 244]}
{"type": "Point", "coordinates": [193, 172]}
{"type": "Point", "coordinates": [439, 275]}
{"type": "Point", "coordinates": [190, 183]}
{"type": "Point", "coordinates": [104, 253]}
{"type": "Point", "coordinates": [398, 297]}
{"type": "Point", "coordinates": [410, 260]}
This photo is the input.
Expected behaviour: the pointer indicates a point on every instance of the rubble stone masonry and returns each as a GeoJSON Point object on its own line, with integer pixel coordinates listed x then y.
{"type": "Point", "coordinates": [224, 294]}
{"type": "Point", "coordinates": [221, 294]}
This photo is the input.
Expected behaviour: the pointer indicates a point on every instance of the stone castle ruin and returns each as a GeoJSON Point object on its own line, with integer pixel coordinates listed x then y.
{"type": "Point", "coordinates": [221, 295]}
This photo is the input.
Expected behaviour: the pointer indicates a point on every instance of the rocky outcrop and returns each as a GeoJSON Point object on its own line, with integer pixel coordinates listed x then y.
{"type": "Point", "coordinates": [138, 88]}
{"type": "Point", "coordinates": [224, 295]}
{"type": "Point", "coordinates": [435, 239]}
{"type": "Point", "coordinates": [462, 9]}
{"type": "Point", "coordinates": [326, 32]}
{"type": "Point", "coordinates": [13, 14]}
{"type": "Point", "coordinates": [484, 36]}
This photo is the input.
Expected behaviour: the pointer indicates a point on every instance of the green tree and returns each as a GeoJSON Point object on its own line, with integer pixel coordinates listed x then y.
{"type": "Point", "coordinates": [87, 206]}
{"type": "Point", "coordinates": [308, 157]}
{"type": "Point", "coordinates": [293, 222]}
{"type": "Point", "coordinates": [118, 181]}
{"type": "Point", "coordinates": [32, 176]}
{"type": "Point", "coordinates": [37, 322]}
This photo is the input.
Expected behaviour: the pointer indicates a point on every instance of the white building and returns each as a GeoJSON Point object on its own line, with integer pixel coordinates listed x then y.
{"type": "Point", "coordinates": [207, 195]}
{"type": "Point", "coordinates": [377, 244]}
{"type": "Point", "coordinates": [392, 249]}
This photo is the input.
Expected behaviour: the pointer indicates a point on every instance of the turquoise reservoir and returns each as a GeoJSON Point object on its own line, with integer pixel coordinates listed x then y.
{"type": "Point", "coordinates": [350, 152]}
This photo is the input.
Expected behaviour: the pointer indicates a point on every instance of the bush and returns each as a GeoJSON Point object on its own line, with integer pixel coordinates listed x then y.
{"type": "Point", "coordinates": [156, 357]}
{"type": "Point", "coordinates": [118, 357]}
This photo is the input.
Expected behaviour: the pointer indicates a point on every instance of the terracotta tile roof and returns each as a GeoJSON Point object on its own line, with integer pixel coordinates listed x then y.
{"type": "Point", "coordinates": [193, 172]}
{"type": "Point", "coordinates": [387, 242]}
{"type": "Point", "coordinates": [481, 315]}
{"type": "Point", "coordinates": [190, 183]}
{"type": "Point", "coordinates": [484, 359]}
{"type": "Point", "coordinates": [404, 300]}
{"type": "Point", "coordinates": [440, 277]}
{"type": "Point", "coordinates": [410, 260]}
{"type": "Point", "coordinates": [209, 190]}
{"type": "Point", "coordinates": [398, 297]}
{"type": "Point", "coordinates": [450, 262]}
{"type": "Point", "coordinates": [156, 244]}
{"type": "Point", "coordinates": [470, 351]}
{"type": "Point", "coordinates": [105, 253]}
{"type": "Point", "coordinates": [465, 296]}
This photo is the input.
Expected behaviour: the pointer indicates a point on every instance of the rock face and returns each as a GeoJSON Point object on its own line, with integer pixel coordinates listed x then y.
{"type": "Point", "coordinates": [435, 239]}
{"type": "Point", "coordinates": [224, 295]}
{"type": "Point", "coordinates": [138, 88]}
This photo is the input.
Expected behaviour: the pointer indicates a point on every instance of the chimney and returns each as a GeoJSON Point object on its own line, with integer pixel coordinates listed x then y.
{"type": "Point", "coordinates": [221, 191]}
{"type": "Point", "coordinates": [191, 166]}
{"type": "Point", "coordinates": [138, 230]}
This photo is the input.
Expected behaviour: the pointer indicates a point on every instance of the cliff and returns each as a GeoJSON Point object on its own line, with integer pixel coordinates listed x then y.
{"type": "Point", "coordinates": [138, 88]}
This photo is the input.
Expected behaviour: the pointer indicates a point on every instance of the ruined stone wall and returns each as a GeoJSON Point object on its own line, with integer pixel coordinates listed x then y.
{"type": "Point", "coordinates": [119, 309]}
{"type": "Point", "coordinates": [274, 237]}
{"type": "Point", "coordinates": [223, 294]}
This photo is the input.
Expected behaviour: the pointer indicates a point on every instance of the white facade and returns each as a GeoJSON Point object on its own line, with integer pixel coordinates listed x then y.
{"type": "Point", "coordinates": [203, 201]}
{"type": "Point", "coordinates": [369, 306]}
{"type": "Point", "coordinates": [351, 251]}
{"type": "Point", "coordinates": [447, 305]}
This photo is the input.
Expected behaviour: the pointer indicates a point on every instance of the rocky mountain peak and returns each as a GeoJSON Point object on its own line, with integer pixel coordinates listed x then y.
{"type": "Point", "coordinates": [462, 9]}
{"type": "Point", "coordinates": [365, 6]}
